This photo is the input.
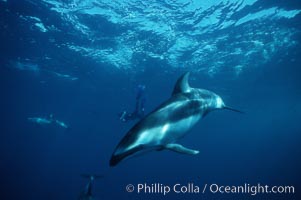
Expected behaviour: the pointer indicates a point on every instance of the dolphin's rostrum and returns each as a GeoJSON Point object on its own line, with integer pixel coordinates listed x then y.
{"type": "Point", "coordinates": [162, 128]}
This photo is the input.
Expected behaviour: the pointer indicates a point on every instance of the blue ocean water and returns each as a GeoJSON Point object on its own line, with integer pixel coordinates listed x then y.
{"type": "Point", "coordinates": [77, 64]}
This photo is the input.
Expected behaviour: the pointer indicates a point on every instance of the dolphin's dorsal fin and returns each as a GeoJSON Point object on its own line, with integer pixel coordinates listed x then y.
{"type": "Point", "coordinates": [182, 85]}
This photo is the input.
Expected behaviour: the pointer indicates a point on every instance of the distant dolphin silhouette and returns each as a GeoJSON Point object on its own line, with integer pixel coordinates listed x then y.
{"type": "Point", "coordinates": [162, 128]}
{"type": "Point", "coordinates": [86, 194]}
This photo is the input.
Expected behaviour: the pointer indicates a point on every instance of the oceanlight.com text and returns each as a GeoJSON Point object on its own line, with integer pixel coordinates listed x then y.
{"type": "Point", "coordinates": [193, 188]}
{"type": "Point", "coordinates": [251, 189]}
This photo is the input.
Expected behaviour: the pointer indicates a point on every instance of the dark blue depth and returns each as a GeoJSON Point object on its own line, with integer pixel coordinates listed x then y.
{"type": "Point", "coordinates": [46, 161]}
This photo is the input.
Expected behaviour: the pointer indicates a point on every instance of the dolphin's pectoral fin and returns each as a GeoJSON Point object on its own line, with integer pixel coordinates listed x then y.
{"type": "Point", "coordinates": [181, 149]}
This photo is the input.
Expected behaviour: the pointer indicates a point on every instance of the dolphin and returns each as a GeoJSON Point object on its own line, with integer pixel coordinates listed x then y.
{"type": "Point", "coordinates": [61, 124]}
{"type": "Point", "coordinates": [162, 128]}
{"type": "Point", "coordinates": [86, 194]}
{"type": "Point", "coordinates": [39, 120]}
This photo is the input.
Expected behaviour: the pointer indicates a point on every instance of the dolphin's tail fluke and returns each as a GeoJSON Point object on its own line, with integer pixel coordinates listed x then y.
{"type": "Point", "coordinates": [116, 158]}
{"type": "Point", "coordinates": [233, 109]}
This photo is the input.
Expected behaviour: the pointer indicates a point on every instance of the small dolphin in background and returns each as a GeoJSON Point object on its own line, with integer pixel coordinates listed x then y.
{"type": "Point", "coordinates": [86, 194]}
{"type": "Point", "coordinates": [60, 123]}
{"type": "Point", "coordinates": [47, 121]}
{"type": "Point", "coordinates": [63, 76]}
{"type": "Point", "coordinates": [39, 120]}
{"type": "Point", "coordinates": [162, 128]}
{"type": "Point", "coordinates": [27, 65]}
